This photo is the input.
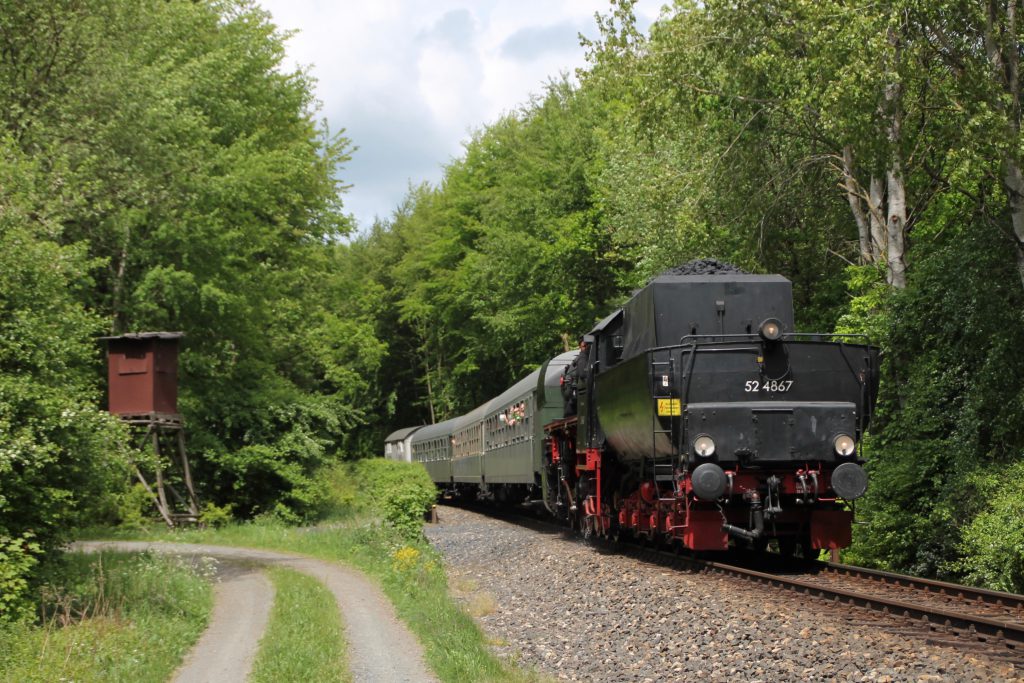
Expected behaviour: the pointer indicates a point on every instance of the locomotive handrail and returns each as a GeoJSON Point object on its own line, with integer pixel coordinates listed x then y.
{"type": "Point", "coordinates": [831, 335]}
{"type": "Point", "coordinates": [702, 339]}
{"type": "Point", "coordinates": [751, 336]}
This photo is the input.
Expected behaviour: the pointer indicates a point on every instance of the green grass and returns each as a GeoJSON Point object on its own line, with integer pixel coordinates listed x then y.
{"type": "Point", "coordinates": [410, 573]}
{"type": "Point", "coordinates": [110, 617]}
{"type": "Point", "coordinates": [304, 639]}
{"type": "Point", "coordinates": [377, 506]}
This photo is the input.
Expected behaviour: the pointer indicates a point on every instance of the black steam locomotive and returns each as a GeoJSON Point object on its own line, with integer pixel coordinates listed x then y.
{"type": "Point", "coordinates": [694, 413]}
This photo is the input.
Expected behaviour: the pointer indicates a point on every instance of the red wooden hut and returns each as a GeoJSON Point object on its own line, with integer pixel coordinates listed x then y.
{"type": "Point", "coordinates": [143, 373]}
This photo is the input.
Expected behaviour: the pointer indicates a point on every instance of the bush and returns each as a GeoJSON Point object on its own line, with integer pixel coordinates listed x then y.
{"type": "Point", "coordinates": [215, 515]}
{"type": "Point", "coordinates": [61, 458]}
{"type": "Point", "coordinates": [949, 410]}
{"type": "Point", "coordinates": [401, 492]}
{"type": "Point", "coordinates": [133, 507]}
{"type": "Point", "coordinates": [993, 543]}
{"type": "Point", "coordinates": [17, 559]}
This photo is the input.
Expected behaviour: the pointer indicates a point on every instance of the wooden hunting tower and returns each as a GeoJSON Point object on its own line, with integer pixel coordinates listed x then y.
{"type": "Point", "coordinates": [142, 369]}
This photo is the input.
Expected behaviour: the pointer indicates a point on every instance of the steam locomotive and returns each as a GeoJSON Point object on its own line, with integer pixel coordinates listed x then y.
{"type": "Point", "coordinates": [693, 414]}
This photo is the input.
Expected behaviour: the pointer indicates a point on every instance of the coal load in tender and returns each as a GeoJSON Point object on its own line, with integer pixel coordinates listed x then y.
{"type": "Point", "coordinates": [704, 266]}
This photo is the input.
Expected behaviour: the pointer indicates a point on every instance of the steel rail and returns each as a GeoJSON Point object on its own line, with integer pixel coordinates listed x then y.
{"type": "Point", "coordinates": [972, 626]}
{"type": "Point", "coordinates": [932, 586]}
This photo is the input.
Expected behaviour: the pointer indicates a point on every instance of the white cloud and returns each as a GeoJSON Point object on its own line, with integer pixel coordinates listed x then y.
{"type": "Point", "coordinates": [409, 79]}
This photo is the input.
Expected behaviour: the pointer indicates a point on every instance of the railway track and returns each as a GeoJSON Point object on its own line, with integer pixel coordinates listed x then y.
{"type": "Point", "coordinates": [956, 616]}
{"type": "Point", "coordinates": [960, 617]}
{"type": "Point", "coordinates": [948, 614]}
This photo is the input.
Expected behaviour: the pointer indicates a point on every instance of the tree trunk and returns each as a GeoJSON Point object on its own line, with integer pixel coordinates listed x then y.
{"type": "Point", "coordinates": [896, 215]}
{"type": "Point", "coordinates": [1003, 51]}
{"type": "Point", "coordinates": [853, 196]}
{"type": "Point", "coordinates": [1015, 197]}
{"type": "Point", "coordinates": [1014, 181]}
{"type": "Point", "coordinates": [895, 227]}
{"type": "Point", "coordinates": [117, 314]}
{"type": "Point", "coordinates": [876, 197]}
{"type": "Point", "coordinates": [430, 391]}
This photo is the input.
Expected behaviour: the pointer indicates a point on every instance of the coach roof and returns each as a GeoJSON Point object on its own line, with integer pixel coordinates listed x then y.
{"type": "Point", "coordinates": [400, 434]}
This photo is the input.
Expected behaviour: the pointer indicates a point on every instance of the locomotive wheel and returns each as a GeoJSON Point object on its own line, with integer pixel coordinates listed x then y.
{"type": "Point", "coordinates": [587, 530]}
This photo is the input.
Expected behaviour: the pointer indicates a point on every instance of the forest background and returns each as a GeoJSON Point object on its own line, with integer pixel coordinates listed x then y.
{"type": "Point", "coordinates": [161, 170]}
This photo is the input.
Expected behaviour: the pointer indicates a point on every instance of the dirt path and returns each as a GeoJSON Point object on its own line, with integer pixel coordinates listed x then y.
{"type": "Point", "coordinates": [380, 648]}
{"type": "Point", "coordinates": [242, 601]}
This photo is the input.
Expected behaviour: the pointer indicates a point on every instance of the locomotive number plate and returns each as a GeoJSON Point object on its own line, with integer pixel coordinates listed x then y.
{"type": "Point", "coordinates": [780, 386]}
{"type": "Point", "coordinates": [669, 407]}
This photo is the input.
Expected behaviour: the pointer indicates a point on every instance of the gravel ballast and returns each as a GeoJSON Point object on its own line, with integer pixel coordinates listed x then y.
{"type": "Point", "coordinates": [576, 612]}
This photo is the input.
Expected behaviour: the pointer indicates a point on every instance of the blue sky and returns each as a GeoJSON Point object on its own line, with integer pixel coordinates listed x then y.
{"type": "Point", "coordinates": [409, 80]}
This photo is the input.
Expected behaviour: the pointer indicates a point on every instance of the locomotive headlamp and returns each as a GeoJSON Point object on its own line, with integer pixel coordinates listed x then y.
{"type": "Point", "coordinates": [704, 446]}
{"type": "Point", "coordinates": [844, 445]}
{"type": "Point", "coordinates": [770, 330]}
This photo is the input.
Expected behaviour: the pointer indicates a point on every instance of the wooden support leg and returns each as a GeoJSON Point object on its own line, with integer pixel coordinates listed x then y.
{"type": "Point", "coordinates": [193, 505]}
{"type": "Point", "coordinates": [165, 510]}
{"type": "Point", "coordinates": [156, 501]}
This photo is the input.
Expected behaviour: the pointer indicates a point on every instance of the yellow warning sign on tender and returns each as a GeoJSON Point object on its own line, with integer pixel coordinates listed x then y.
{"type": "Point", "coordinates": [668, 407]}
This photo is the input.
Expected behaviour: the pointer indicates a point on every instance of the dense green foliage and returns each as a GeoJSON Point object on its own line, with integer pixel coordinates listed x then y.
{"type": "Point", "coordinates": [111, 617]}
{"type": "Point", "coordinates": [60, 457]}
{"type": "Point", "coordinates": [400, 493]}
{"type": "Point", "coordinates": [951, 431]}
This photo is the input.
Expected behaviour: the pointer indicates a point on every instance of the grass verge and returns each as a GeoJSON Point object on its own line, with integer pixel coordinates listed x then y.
{"type": "Point", "coordinates": [409, 571]}
{"type": "Point", "coordinates": [304, 639]}
{"type": "Point", "coordinates": [110, 617]}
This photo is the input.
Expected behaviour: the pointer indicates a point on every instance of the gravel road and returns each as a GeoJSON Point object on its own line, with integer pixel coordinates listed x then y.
{"type": "Point", "coordinates": [578, 613]}
{"type": "Point", "coordinates": [380, 648]}
{"type": "Point", "coordinates": [243, 597]}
